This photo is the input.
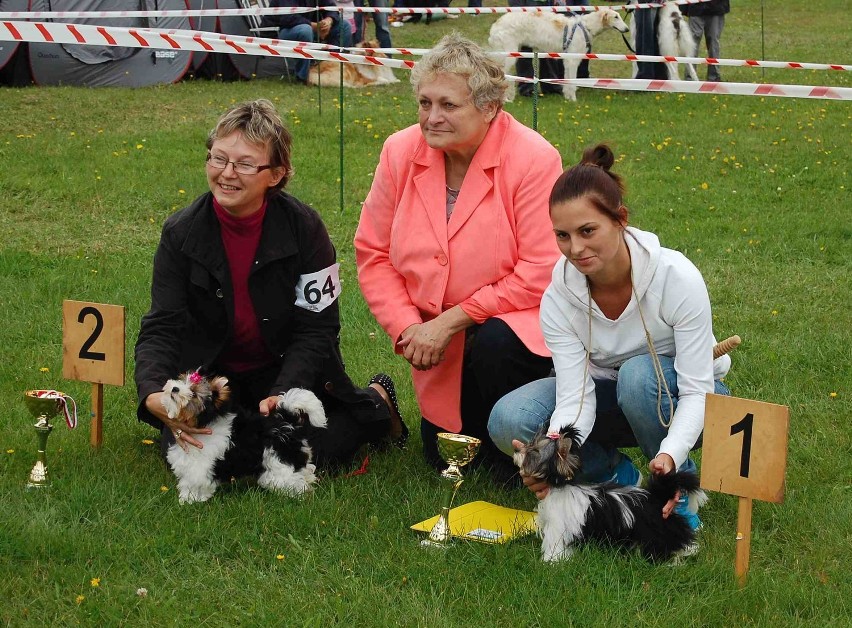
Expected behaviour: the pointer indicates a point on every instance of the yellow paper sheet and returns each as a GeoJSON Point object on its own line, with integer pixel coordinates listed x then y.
{"type": "Point", "coordinates": [485, 522]}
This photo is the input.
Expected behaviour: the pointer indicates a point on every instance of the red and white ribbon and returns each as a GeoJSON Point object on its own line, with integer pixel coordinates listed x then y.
{"type": "Point", "coordinates": [707, 87]}
{"type": "Point", "coordinates": [53, 15]}
{"type": "Point", "coordinates": [62, 400]}
{"type": "Point", "coordinates": [66, 33]}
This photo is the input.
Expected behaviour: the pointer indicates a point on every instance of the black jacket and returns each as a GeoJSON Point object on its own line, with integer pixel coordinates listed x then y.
{"type": "Point", "coordinates": [294, 19]}
{"type": "Point", "coordinates": [191, 317]}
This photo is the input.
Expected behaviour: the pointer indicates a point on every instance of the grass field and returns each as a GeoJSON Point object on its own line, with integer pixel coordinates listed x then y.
{"type": "Point", "coordinates": [754, 190]}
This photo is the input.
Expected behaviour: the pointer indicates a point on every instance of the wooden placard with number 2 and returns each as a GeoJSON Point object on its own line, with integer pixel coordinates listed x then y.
{"type": "Point", "coordinates": [93, 351]}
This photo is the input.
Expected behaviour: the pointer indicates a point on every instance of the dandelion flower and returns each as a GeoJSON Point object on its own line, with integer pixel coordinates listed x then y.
{"type": "Point", "coordinates": [280, 557]}
{"type": "Point", "coordinates": [95, 582]}
{"type": "Point", "coordinates": [79, 599]}
{"type": "Point", "coordinates": [10, 451]}
{"type": "Point", "coordinates": [704, 186]}
{"type": "Point", "coordinates": [44, 369]}
{"type": "Point", "coordinates": [147, 441]}
{"type": "Point", "coordinates": [832, 395]}
{"type": "Point", "coordinates": [164, 488]}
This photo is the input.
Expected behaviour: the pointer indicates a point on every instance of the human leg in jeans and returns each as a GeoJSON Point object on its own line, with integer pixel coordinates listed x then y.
{"type": "Point", "coordinates": [522, 412]}
{"type": "Point", "coordinates": [626, 415]}
{"type": "Point", "coordinates": [300, 32]}
{"type": "Point", "coordinates": [379, 19]}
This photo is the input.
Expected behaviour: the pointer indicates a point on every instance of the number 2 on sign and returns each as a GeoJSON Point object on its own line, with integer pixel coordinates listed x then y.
{"type": "Point", "coordinates": [745, 426]}
{"type": "Point", "coordinates": [85, 353]}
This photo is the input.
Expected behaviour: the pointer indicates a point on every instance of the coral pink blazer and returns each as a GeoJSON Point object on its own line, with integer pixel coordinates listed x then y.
{"type": "Point", "coordinates": [493, 258]}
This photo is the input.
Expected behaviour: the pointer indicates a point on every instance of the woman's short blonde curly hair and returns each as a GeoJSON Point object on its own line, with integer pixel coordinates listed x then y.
{"type": "Point", "coordinates": [455, 54]}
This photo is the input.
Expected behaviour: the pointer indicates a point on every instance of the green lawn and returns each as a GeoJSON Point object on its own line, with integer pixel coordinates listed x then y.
{"type": "Point", "coordinates": [754, 190]}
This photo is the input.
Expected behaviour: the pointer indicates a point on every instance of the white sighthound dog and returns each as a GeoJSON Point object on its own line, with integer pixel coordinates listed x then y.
{"type": "Point", "coordinates": [552, 32]}
{"type": "Point", "coordinates": [674, 39]}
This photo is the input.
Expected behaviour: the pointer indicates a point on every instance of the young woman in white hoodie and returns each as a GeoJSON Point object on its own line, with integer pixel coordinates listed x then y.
{"type": "Point", "coordinates": [630, 328]}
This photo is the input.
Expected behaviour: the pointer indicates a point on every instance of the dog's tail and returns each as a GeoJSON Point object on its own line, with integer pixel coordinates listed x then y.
{"type": "Point", "coordinates": [303, 402]}
{"type": "Point", "coordinates": [665, 486]}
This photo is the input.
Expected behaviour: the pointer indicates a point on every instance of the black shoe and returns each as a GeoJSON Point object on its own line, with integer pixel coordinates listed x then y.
{"type": "Point", "coordinates": [387, 384]}
{"type": "Point", "coordinates": [526, 90]}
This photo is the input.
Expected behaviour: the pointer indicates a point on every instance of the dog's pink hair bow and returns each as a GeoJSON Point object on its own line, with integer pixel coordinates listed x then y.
{"type": "Point", "coordinates": [195, 378]}
{"type": "Point", "coordinates": [554, 436]}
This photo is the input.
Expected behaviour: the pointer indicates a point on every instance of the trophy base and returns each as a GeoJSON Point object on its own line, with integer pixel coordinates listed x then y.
{"type": "Point", "coordinates": [436, 544]}
{"type": "Point", "coordinates": [38, 476]}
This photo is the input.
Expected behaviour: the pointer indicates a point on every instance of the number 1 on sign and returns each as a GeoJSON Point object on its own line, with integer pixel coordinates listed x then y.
{"type": "Point", "coordinates": [744, 426]}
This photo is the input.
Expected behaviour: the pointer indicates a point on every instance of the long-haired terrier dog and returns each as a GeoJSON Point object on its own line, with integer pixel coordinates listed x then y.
{"type": "Point", "coordinates": [273, 449]}
{"type": "Point", "coordinates": [609, 513]}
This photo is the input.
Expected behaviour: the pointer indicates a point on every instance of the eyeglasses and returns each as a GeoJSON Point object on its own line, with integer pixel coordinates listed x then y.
{"type": "Point", "coordinates": [240, 167]}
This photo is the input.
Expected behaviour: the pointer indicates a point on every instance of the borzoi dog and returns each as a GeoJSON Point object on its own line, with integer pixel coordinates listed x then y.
{"type": "Point", "coordinates": [550, 32]}
{"type": "Point", "coordinates": [674, 39]}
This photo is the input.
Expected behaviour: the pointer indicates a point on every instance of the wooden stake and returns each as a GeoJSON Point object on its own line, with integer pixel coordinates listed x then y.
{"type": "Point", "coordinates": [97, 434]}
{"type": "Point", "coordinates": [743, 539]}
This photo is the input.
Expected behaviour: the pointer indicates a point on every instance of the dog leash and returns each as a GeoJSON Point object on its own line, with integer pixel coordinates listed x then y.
{"type": "Point", "coordinates": [567, 38]}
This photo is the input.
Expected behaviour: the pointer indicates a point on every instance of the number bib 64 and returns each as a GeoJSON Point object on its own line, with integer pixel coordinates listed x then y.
{"type": "Point", "coordinates": [316, 291]}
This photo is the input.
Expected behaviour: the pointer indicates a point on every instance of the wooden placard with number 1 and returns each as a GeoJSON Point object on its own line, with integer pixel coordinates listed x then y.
{"type": "Point", "coordinates": [744, 454]}
{"type": "Point", "coordinates": [93, 351]}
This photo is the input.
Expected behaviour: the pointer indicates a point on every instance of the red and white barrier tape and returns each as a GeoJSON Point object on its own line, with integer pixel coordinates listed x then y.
{"type": "Point", "coordinates": [52, 15]}
{"type": "Point", "coordinates": [789, 65]}
{"type": "Point", "coordinates": [753, 63]}
{"type": "Point", "coordinates": [707, 87]}
{"type": "Point", "coordinates": [65, 33]}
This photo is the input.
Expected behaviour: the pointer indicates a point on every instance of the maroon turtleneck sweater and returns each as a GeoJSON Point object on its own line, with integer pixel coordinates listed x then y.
{"type": "Point", "coordinates": [240, 237]}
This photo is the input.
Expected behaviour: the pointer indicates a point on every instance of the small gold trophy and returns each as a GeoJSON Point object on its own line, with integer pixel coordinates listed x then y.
{"type": "Point", "coordinates": [457, 450]}
{"type": "Point", "coordinates": [43, 405]}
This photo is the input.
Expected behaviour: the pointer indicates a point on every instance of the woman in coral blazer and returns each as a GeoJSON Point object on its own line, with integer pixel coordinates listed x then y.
{"type": "Point", "coordinates": [455, 247]}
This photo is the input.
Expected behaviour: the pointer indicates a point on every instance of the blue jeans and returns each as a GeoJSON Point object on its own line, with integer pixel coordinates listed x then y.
{"type": "Point", "coordinates": [379, 19]}
{"type": "Point", "coordinates": [300, 32]}
{"type": "Point", "coordinates": [626, 416]}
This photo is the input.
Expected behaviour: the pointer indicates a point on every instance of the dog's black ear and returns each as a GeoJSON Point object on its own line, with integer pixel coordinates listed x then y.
{"type": "Point", "coordinates": [570, 432]}
{"type": "Point", "coordinates": [220, 391]}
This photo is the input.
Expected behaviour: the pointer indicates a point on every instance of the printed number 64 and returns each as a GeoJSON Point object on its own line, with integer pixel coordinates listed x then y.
{"type": "Point", "coordinates": [313, 295]}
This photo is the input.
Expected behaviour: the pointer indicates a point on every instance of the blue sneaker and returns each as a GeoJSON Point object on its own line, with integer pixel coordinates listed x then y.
{"type": "Point", "coordinates": [626, 473]}
{"type": "Point", "coordinates": [682, 508]}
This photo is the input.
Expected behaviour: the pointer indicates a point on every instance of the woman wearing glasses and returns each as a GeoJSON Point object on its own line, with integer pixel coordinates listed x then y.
{"type": "Point", "coordinates": [245, 284]}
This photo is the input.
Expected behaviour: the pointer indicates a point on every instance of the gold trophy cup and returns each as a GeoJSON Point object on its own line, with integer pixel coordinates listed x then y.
{"type": "Point", "coordinates": [456, 450]}
{"type": "Point", "coordinates": [43, 408]}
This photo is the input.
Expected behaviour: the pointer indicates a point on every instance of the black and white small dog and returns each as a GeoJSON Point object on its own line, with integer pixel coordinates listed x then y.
{"type": "Point", "coordinates": [609, 513]}
{"type": "Point", "coordinates": [272, 449]}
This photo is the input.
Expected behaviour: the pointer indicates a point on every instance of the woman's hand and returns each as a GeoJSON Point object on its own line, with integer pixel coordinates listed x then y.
{"type": "Point", "coordinates": [536, 485]}
{"type": "Point", "coordinates": [423, 344]}
{"type": "Point", "coordinates": [268, 405]}
{"type": "Point", "coordinates": [661, 465]}
{"type": "Point", "coordinates": [182, 432]}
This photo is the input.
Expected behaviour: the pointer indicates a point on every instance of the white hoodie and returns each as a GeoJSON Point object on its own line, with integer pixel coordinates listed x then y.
{"type": "Point", "coordinates": [676, 309]}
